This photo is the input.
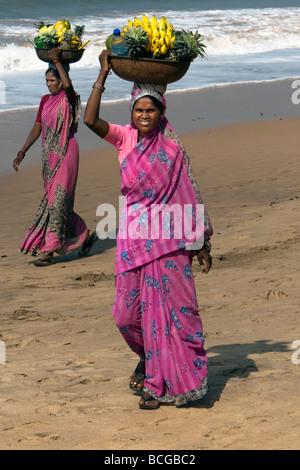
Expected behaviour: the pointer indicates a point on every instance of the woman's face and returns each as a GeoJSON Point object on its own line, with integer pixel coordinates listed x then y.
{"type": "Point", "coordinates": [145, 115]}
{"type": "Point", "coordinates": [52, 83]}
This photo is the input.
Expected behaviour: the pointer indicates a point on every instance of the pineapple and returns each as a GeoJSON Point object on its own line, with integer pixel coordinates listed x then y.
{"type": "Point", "coordinates": [49, 37]}
{"type": "Point", "coordinates": [136, 40]}
{"type": "Point", "coordinates": [186, 46]}
{"type": "Point", "coordinates": [78, 32]}
{"type": "Point", "coordinates": [65, 44]}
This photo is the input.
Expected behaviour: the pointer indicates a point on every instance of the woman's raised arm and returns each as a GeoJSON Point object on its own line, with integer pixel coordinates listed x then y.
{"type": "Point", "coordinates": [64, 76]}
{"type": "Point", "coordinates": [91, 116]}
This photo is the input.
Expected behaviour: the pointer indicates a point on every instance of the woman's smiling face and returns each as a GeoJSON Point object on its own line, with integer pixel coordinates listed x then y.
{"type": "Point", "coordinates": [145, 116]}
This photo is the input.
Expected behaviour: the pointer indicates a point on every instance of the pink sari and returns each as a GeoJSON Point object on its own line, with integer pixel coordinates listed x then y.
{"type": "Point", "coordinates": [56, 227]}
{"type": "Point", "coordinates": [156, 308]}
{"type": "Point", "coordinates": [161, 213]}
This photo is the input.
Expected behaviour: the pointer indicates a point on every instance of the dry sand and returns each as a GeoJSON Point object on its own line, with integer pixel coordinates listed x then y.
{"type": "Point", "coordinates": [65, 384]}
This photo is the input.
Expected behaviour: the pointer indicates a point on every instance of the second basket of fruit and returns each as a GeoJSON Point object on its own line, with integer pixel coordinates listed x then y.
{"type": "Point", "coordinates": [59, 35]}
{"type": "Point", "coordinates": [153, 50]}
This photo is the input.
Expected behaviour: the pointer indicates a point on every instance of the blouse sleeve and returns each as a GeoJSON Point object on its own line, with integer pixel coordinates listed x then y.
{"type": "Point", "coordinates": [39, 114]}
{"type": "Point", "coordinates": [124, 138]}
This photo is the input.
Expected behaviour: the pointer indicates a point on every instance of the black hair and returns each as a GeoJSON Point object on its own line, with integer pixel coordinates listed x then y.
{"type": "Point", "coordinates": [53, 71]}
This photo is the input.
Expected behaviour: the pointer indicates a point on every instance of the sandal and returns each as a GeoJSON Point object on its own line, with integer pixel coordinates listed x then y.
{"type": "Point", "coordinates": [43, 262]}
{"type": "Point", "coordinates": [137, 379]}
{"type": "Point", "coordinates": [86, 247]}
{"type": "Point", "coordinates": [148, 402]}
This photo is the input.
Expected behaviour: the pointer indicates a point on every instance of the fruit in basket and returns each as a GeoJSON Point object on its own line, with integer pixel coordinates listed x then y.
{"type": "Point", "coordinates": [78, 32]}
{"type": "Point", "coordinates": [61, 27]}
{"type": "Point", "coordinates": [39, 43]}
{"type": "Point", "coordinates": [136, 40]}
{"type": "Point", "coordinates": [187, 46]}
{"type": "Point", "coordinates": [60, 34]}
{"type": "Point", "coordinates": [49, 37]}
{"type": "Point", "coordinates": [65, 44]}
{"type": "Point", "coordinates": [41, 25]}
{"type": "Point", "coordinates": [161, 36]}
{"type": "Point", "coordinates": [145, 38]}
{"type": "Point", "coordinates": [62, 24]}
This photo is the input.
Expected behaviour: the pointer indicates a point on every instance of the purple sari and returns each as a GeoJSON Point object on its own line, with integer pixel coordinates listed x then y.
{"type": "Point", "coordinates": [56, 227]}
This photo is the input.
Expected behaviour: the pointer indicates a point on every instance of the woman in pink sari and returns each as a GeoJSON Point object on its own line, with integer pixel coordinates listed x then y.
{"type": "Point", "coordinates": [156, 307]}
{"type": "Point", "coordinates": [56, 227]}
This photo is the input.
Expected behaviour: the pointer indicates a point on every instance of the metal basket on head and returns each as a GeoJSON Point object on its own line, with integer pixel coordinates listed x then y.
{"type": "Point", "coordinates": [66, 57]}
{"type": "Point", "coordinates": [157, 71]}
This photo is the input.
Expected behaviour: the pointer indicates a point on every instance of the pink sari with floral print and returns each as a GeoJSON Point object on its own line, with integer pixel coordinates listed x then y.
{"type": "Point", "coordinates": [56, 227]}
{"type": "Point", "coordinates": [156, 308]}
{"type": "Point", "coordinates": [162, 210]}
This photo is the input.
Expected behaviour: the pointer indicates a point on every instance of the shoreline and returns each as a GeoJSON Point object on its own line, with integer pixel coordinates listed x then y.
{"type": "Point", "coordinates": [169, 92]}
{"type": "Point", "coordinates": [188, 111]}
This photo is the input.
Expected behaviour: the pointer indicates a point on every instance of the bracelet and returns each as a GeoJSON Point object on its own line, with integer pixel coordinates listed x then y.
{"type": "Point", "coordinates": [99, 86]}
{"type": "Point", "coordinates": [105, 70]}
{"type": "Point", "coordinates": [21, 154]}
{"type": "Point", "coordinates": [56, 61]}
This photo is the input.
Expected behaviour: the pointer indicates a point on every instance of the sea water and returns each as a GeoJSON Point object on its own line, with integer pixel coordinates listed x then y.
{"type": "Point", "coordinates": [247, 41]}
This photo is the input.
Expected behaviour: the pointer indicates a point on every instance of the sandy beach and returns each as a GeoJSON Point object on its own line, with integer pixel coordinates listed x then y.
{"type": "Point", "coordinates": [65, 382]}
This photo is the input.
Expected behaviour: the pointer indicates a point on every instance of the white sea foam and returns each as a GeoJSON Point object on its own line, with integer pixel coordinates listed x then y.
{"type": "Point", "coordinates": [225, 32]}
{"type": "Point", "coordinates": [242, 46]}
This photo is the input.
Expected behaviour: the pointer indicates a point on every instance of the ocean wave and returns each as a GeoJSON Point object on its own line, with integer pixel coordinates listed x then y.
{"type": "Point", "coordinates": [15, 58]}
{"type": "Point", "coordinates": [225, 32]}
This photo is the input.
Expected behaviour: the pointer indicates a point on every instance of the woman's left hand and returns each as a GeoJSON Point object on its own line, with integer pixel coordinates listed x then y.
{"type": "Point", "coordinates": [205, 260]}
{"type": "Point", "coordinates": [55, 52]}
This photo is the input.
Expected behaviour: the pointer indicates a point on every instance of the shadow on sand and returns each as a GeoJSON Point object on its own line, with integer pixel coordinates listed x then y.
{"type": "Point", "coordinates": [99, 247]}
{"type": "Point", "coordinates": [230, 361]}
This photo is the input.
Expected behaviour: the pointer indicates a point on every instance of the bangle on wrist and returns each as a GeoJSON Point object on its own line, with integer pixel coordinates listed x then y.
{"type": "Point", "coordinates": [99, 86]}
{"type": "Point", "coordinates": [56, 61]}
{"type": "Point", "coordinates": [105, 70]}
{"type": "Point", "coordinates": [21, 154]}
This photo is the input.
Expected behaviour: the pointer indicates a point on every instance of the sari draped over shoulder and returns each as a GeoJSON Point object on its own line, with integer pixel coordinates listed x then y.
{"type": "Point", "coordinates": [56, 227]}
{"type": "Point", "coordinates": [163, 209]}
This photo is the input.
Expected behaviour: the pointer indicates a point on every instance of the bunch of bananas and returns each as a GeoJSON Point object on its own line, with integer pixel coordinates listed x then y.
{"type": "Point", "coordinates": [160, 34]}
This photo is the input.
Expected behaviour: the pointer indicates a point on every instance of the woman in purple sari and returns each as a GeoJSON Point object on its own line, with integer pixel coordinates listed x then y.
{"type": "Point", "coordinates": [56, 227]}
{"type": "Point", "coordinates": [156, 308]}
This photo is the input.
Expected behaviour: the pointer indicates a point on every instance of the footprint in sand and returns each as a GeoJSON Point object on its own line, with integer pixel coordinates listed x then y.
{"type": "Point", "coordinates": [24, 314]}
{"type": "Point", "coordinates": [275, 295]}
{"type": "Point", "coordinates": [53, 409]}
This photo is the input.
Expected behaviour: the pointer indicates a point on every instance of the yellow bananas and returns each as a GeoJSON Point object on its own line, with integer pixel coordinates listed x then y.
{"type": "Point", "coordinates": [160, 34]}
